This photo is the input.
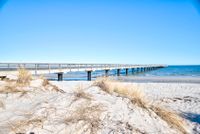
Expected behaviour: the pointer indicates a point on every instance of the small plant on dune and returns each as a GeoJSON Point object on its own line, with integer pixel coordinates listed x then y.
{"type": "Point", "coordinates": [11, 87]}
{"type": "Point", "coordinates": [20, 126]}
{"type": "Point", "coordinates": [133, 93]}
{"type": "Point", "coordinates": [45, 82]}
{"type": "Point", "coordinates": [2, 105]}
{"type": "Point", "coordinates": [138, 97]}
{"type": "Point", "coordinates": [103, 84]}
{"type": "Point", "coordinates": [24, 77]}
{"type": "Point", "coordinates": [47, 85]}
{"type": "Point", "coordinates": [172, 118]}
{"type": "Point", "coordinates": [90, 115]}
{"type": "Point", "coordinates": [16, 86]}
{"type": "Point", "coordinates": [79, 93]}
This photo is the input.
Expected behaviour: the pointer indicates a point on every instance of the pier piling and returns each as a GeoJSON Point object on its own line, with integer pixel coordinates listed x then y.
{"type": "Point", "coordinates": [60, 76]}
{"type": "Point", "coordinates": [106, 72]}
{"type": "Point", "coordinates": [133, 70]}
{"type": "Point", "coordinates": [89, 75]}
{"type": "Point", "coordinates": [118, 72]}
{"type": "Point", "coordinates": [126, 71]}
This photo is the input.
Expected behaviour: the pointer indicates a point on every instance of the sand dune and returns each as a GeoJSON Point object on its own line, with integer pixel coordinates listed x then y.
{"type": "Point", "coordinates": [84, 107]}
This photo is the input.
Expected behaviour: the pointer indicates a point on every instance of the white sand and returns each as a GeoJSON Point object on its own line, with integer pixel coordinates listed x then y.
{"type": "Point", "coordinates": [51, 112]}
{"type": "Point", "coordinates": [159, 79]}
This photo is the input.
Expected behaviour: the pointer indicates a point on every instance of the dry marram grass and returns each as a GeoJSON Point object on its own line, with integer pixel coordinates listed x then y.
{"type": "Point", "coordinates": [79, 93]}
{"type": "Point", "coordinates": [132, 92]}
{"type": "Point", "coordinates": [23, 81]}
{"type": "Point", "coordinates": [24, 77]}
{"type": "Point", "coordinates": [20, 126]}
{"type": "Point", "coordinates": [172, 118]}
{"type": "Point", "coordinates": [2, 105]}
{"type": "Point", "coordinates": [12, 87]}
{"type": "Point", "coordinates": [47, 85]}
{"type": "Point", "coordinates": [137, 97]}
{"type": "Point", "coordinates": [103, 84]}
{"type": "Point", "coordinates": [90, 115]}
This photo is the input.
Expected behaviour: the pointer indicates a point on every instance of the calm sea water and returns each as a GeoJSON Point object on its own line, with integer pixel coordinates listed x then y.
{"type": "Point", "coordinates": [178, 71]}
{"type": "Point", "coordinates": [193, 71]}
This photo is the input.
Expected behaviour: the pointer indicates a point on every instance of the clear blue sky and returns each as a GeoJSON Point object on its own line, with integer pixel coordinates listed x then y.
{"type": "Point", "coordinates": [100, 31]}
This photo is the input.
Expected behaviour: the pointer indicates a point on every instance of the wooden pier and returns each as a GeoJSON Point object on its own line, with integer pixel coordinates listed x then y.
{"type": "Point", "coordinates": [61, 68]}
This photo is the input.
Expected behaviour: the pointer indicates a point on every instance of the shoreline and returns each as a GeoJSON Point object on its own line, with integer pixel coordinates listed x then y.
{"type": "Point", "coordinates": [158, 79]}
{"type": "Point", "coordinates": [143, 79]}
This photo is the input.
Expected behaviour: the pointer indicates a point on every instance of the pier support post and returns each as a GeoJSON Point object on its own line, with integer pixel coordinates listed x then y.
{"type": "Point", "coordinates": [89, 75]}
{"type": "Point", "coordinates": [118, 72]}
{"type": "Point", "coordinates": [126, 71]}
{"type": "Point", "coordinates": [133, 70]}
{"type": "Point", "coordinates": [143, 69]}
{"type": "Point", "coordinates": [60, 76]}
{"type": "Point", "coordinates": [137, 69]}
{"type": "Point", "coordinates": [36, 66]}
{"type": "Point", "coordinates": [106, 72]}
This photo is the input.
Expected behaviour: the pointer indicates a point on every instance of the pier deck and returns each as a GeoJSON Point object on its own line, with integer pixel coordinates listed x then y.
{"type": "Point", "coordinates": [60, 68]}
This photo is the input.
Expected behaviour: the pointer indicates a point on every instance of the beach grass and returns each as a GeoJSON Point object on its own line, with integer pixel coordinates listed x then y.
{"type": "Point", "coordinates": [79, 93]}
{"type": "Point", "coordinates": [89, 115]}
{"type": "Point", "coordinates": [138, 98]}
{"type": "Point", "coordinates": [49, 86]}
{"type": "Point", "coordinates": [2, 105]}
{"type": "Point", "coordinates": [171, 117]}
{"type": "Point", "coordinates": [24, 77]}
{"type": "Point", "coordinates": [20, 126]}
{"type": "Point", "coordinates": [132, 92]}
{"type": "Point", "coordinates": [12, 87]}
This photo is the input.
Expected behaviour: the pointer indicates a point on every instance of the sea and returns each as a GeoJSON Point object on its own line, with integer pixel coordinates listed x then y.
{"type": "Point", "coordinates": [170, 71]}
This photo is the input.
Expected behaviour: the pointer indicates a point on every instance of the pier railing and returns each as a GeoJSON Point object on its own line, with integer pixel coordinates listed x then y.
{"type": "Point", "coordinates": [60, 68]}
{"type": "Point", "coordinates": [49, 66]}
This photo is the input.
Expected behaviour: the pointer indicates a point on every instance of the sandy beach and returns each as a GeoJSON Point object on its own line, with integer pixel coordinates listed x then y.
{"type": "Point", "coordinates": [100, 67]}
{"type": "Point", "coordinates": [159, 79]}
{"type": "Point", "coordinates": [85, 107]}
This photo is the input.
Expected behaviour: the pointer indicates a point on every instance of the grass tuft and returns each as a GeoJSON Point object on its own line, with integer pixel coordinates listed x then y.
{"type": "Point", "coordinates": [171, 117]}
{"type": "Point", "coordinates": [79, 93]}
{"type": "Point", "coordinates": [47, 85]}
{"type": "Point", "coordinates": [12, 87]}
{"type": "Point", "coordinates": [2, 105]}
{"type": "Point", "coordinates": [21, 126]}
{"type": "Point", "coordinates": [24, 77]}
{"type": "Point", "coordinates": [133, 93]}
{"type": "Point", "coordinates": [103, 84]}
{"type": "Point", "coordinates": [90, 115]}
{"type": "Point", "coordinates": [137, 97]}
